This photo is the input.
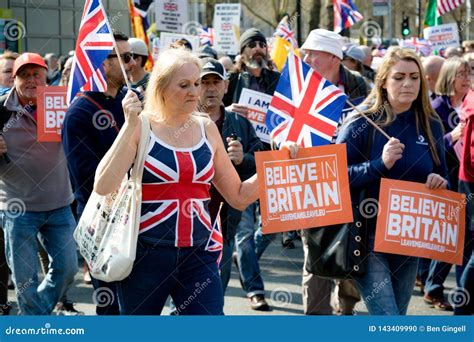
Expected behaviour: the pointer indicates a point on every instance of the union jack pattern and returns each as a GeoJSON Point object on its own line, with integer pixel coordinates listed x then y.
{"type": "Point", "coordinates": [216, 241]}
{"type": "Point", "coordinates": [284, 30]}
{"type": "Point", "coordinates": [94, 43]}
{"type": "Point", "coordinates": [445, 6]}
{"type": "Point", "coordinates": [305, 107]}
{"type": "Point", "coordinates": [175, 194]}
{"type": "Point", "coordinates": [206, 36]}
{"type": "Point", "coordinates": [345, 14]}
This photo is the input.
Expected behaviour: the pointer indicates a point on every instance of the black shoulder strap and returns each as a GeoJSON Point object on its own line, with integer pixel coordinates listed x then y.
{"type": "Point", "coordinates": [5, 114]}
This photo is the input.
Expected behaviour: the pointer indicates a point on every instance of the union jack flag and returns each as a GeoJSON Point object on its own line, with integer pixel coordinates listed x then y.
{"type": "Point", "coordinates": [345, 14]}
{"type": "Point", "coordinates": [175, 194]}
{"type": "Point", "coordinates": [305, 107]}
{"type": "Point", "coordinates": [421, 46]}
{"type": "Point", "coordinates": [445, 6]}
{"type": "Point", "coordinates": [216, 241]}
{"type": "Point", "coordinates": [206, 36]}
{"type": "Point", "coordinates": [94, 43]}
{"type": "Point", "coordinates": [284, 30]}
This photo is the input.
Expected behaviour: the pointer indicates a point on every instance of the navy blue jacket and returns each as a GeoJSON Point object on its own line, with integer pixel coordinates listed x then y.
{"type": "Point", "coordinates": [87, 135]}
{"type": "Point", "coordinates": [415, 165]}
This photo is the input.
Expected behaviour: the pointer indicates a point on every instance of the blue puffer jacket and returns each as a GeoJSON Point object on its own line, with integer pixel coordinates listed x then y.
{"type": "Point", "coordinates": [415, 165]}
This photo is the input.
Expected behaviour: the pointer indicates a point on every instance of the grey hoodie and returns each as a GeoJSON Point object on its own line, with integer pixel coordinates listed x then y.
{"type": "Point", "coordinates": [37, 175]}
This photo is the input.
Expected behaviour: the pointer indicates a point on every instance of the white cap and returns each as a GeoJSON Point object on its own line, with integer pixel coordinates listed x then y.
{"type": "Point", "coordinates": [138, 46]}
{"type": "Point", "coordinates": [324, 40]}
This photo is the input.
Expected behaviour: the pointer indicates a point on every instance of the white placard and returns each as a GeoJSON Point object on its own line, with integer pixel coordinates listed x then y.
{"type": "Point", "coordinates": [171, 15]}
{"type": "Point", "coordinates": [167, 38]}
{"type": "Point", "coordinates": [258, 106]}
{"type": "Point", "coordinates": [442, 36]}
{"type": "Point", "coordinates": [227, 28]}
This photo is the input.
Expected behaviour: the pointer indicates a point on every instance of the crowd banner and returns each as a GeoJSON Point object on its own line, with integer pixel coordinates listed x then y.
{"type": "Point", "coordinates": [257, 103]}
{"type": "Point", "coordinates": [167, 38]}
{"type": "Point", "coordinates": [227, 28]}
{"type": "Point", "coordinates": [416, 221]}
{"type": "Point", "coordinates": [442, 36]}
{"type": "Point", "coordinates": [309, 191]}
{"type": "Point", "coordinates": [52, 107]}
{"type": "Point", "coordinates": [171, 15]}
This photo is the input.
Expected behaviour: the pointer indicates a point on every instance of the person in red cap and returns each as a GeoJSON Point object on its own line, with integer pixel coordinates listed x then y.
{"type": "Point", "coordinates": [35, 195]}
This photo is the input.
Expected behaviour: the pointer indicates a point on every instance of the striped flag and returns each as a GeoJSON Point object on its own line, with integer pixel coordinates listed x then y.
{"type": "Point", "coordinates": [445, 6]}
{"type": "Point", "coordinates": [206, 36]}
{"type": "Point", "coordinates": [139, 20]}
{"type": "Point", "coordinates": [284, 30]}
{"type": "Point", "coordinates": [345, 14]}
{"type": "Point", "coordinates": [216, 240]}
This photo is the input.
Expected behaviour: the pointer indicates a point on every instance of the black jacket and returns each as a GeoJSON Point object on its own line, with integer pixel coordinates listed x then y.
{"type": "Point", "coordinates": [243, 129]}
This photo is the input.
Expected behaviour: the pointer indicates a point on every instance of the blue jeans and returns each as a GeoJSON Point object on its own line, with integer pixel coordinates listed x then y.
{"type": "Point", "coordinates": [388, 283]}
{"type": "Point", "coordinates": [438, 273]}
{"type": "Point", "coordinates": [226, 263]}
{"type": "Point", "coordinates": [189, 275]}
{"type": "Point", "coordinates": [423, 269]}
{"type": "Point", "coordinates": [250, 244]}
{"type": "Point", "coordinates": [54, 229]}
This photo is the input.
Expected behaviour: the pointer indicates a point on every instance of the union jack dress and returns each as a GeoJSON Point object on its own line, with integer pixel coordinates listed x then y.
{"type": "Point", "coordinates": [175, 193]}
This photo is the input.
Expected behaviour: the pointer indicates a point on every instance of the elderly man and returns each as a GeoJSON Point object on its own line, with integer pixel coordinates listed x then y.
{"type": "Point", "coordinates": [35, 195]}
{"type": "Point", "coordinates": [432, 65]}
{"type": "Point", "coordinates": [323, 52]}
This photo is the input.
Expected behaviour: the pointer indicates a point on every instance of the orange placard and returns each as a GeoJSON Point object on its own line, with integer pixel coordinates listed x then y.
{"type": "Point", "coordinates": [52, 107]}
{"type": "Point", "coordinates": [416, 221]}
{"type": "Point", "coordinates": [309, 191]}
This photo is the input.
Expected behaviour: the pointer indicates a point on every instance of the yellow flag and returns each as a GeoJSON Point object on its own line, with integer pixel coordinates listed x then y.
{"type": "Point", "coordinates": [280, 52]}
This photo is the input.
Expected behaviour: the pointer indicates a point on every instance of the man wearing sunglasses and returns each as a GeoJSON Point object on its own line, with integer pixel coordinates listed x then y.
{"type": "Point", "coordinates": [90, 127]}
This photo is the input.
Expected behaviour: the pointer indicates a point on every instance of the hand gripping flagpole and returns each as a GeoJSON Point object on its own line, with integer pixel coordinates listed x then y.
{"type": "Point", "coordinates": [369, 120]}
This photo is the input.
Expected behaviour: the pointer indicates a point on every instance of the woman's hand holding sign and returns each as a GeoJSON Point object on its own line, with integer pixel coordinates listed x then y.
{"type": "Point", "coordinates": [392, 151]}
{"type": "Point", "coordinates": [292, 147]}
{"type": "Point", "coordinates": [435, 181]}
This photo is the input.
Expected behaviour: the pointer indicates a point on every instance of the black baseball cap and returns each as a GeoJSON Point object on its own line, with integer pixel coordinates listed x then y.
{"type": "Point", "coordinates": [212, 66]}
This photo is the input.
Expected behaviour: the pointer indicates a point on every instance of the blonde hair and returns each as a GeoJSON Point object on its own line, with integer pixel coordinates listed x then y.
{"type": "Point", "coordinates": [167, 64]}
{"type": "Point", "coordinates": [447, 75]}
{"type": "Point", "coordinates": [469, 57]}
{"type": "Point", "coordinates": [379, 106]}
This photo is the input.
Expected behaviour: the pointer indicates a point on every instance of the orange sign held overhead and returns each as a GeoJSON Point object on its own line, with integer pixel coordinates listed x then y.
{"type": "Point", "coordinates": [416, 221]}
{"type": "Point", "coordinates": [309, 191]}
{"type": "Point", "coordinates": [52, 107]}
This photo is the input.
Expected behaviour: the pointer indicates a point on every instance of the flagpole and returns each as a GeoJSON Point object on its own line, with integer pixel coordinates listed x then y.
{"type": "Point", "coordinates": [368, 120]}
{"type": "Point", "coordinates": [122, 66]}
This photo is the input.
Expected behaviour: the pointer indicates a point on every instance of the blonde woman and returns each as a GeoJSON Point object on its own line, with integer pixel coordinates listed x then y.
{"type": "Point", "coordinates": [399, 103]}
{"type": "Point", "coordinates": [185, 154]}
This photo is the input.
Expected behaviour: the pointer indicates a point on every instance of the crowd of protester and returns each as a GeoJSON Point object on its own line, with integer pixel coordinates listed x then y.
{"type": "Point", "coordinates": [428, 99]}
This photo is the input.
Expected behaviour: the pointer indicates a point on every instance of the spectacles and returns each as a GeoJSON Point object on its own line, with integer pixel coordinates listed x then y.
{"type": "Point", "coordinates": [127, 57]}
{"type": "Point", "coordinates": [251, 45]}
{"type": "Point", "coordinates": [463, 75]}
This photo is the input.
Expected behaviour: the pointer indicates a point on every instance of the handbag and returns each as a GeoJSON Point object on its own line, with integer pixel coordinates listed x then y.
{"type": "Point", "coordinates": [338, 251]}
{"type": "Point", "coordinates": [107, 231]}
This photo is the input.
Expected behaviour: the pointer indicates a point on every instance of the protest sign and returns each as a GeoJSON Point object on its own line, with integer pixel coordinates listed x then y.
{"type": "Point", "coordinates": [442, 36]}
{"type": "Point", "coordinates": [171, 15]}
{"type": "Point", "coordinates": [52, 107]}
{"type": "Point", "coordinates": [227, 28]}
{"type": "Point", "coordinates": [309, 191]}
{"type": "Point", "coordinates": [258, 105]}
{"type": "Point", "coordinates": [167, 38]}
{"type": "Point", "coordinates": [415, 221]}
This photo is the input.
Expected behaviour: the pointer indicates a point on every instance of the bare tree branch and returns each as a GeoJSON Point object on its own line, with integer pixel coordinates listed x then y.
{"type": "Point", "coordinates": [251, 10]}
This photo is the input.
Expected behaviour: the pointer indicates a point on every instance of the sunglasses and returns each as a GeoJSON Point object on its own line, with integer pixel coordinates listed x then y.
{"type": "Point", "coordinates": [251, 45]}
{"type": "Point", "coordinates": [127, 57]}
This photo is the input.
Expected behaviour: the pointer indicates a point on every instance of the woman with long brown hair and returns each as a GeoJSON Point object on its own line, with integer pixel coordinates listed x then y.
{"type": "Point", "coordinates": [400, 106]}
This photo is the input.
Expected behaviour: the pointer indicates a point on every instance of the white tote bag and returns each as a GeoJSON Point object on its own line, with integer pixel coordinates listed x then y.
{"type": "Point", "coordinates": [108, 229]}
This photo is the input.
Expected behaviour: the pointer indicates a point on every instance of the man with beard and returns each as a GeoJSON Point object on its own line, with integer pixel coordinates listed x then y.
{"type": "Point", "coordinates": [252, 71]}
{"type": "Point", "coordinates": [90, 127]}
